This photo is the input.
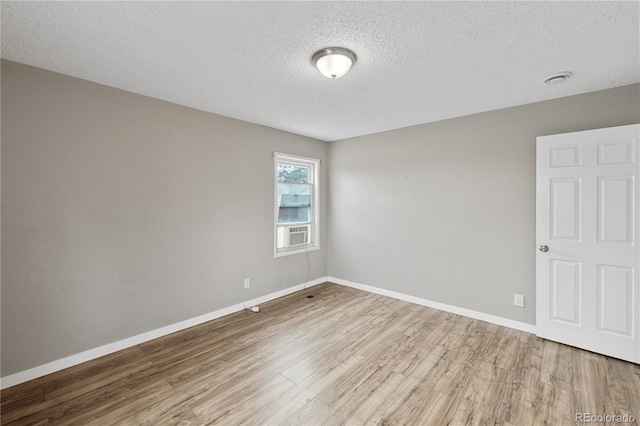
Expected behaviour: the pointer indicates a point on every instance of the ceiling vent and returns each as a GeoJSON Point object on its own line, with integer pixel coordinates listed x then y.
{"type": "Point", "coordinates": [557, 77]}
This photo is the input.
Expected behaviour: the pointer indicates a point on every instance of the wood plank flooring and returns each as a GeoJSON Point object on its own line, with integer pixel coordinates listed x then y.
{"type": "Point", "coordinates": [342, 357]}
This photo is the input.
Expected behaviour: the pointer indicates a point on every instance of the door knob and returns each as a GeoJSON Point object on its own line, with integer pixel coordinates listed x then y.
{"type": "Point", "coordinates": [543, 248]}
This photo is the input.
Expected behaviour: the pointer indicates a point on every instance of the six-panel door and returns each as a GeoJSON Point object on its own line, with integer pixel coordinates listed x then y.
{"type": "Point", "coordinates": [587, 215]}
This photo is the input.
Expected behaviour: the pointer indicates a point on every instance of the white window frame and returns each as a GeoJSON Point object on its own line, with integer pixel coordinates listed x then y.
{"type": "Point", "coordinates": [314, 165]}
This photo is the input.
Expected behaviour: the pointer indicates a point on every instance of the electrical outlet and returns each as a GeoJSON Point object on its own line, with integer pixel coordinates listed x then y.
{"type": "Point", "coordinates": [518, 300]}
{"type": "Point", "coordinates": [247, 283]}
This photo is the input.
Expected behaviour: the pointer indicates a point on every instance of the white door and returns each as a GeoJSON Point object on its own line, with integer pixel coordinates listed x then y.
{"type": "Point", "coordinates": [587, 231]}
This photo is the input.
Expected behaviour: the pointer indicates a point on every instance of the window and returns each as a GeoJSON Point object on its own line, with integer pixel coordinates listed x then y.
{"type": "Point", "coordinates": [296, 204]}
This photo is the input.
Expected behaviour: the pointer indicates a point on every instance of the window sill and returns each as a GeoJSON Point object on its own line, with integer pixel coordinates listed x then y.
{"type": "Point", "coordinates": [296, 251]}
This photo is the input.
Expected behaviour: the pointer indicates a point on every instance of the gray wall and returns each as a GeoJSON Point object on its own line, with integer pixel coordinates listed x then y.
{"type": "Point", "coordinates": [122, 214]}
{"type": "Point", "coordinates": [446, 211]}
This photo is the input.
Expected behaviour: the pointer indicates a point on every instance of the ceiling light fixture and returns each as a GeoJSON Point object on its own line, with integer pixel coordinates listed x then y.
{"type": "Point", "coordinates": [334, 62]}
{"type": "Point", "coordinates": [557, 77]}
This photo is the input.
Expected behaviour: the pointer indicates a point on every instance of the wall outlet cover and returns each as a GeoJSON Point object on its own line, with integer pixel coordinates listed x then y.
{"type": "Point", "coordinates": [518, 300]}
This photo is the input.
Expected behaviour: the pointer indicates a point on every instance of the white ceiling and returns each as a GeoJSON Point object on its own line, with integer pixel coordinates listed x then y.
{"type": "Point", "coordinates": [418, 62]}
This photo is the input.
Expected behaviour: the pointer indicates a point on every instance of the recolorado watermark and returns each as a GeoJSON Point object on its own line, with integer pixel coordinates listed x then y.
{"type": "Point", "coordinates": [604, 418]}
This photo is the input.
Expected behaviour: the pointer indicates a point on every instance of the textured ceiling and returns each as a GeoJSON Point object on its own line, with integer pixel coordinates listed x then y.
{"type": "Point", "coordinates": [418, 62]}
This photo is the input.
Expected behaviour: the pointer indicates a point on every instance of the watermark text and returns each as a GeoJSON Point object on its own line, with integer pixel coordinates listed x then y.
{"type": "Point", "coordinates": [604, 418]}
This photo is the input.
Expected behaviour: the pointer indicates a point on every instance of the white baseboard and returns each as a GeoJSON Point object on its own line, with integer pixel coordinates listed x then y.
{"type": "Point", "coordinates": [94, 353]}
{"type": "Point", "coordinates": [522, 326]}
{"type": "Point", "coordinates": [70, 361]}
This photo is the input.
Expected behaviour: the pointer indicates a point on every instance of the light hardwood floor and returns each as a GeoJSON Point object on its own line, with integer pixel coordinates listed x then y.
{"type": "Point", "coordinates": [342, 357]}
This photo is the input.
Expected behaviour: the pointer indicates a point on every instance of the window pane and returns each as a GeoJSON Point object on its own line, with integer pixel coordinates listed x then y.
{"type": "Point", "coordinates": [292, 173]}
{"type": "Point", "coordinates": [294, 202]}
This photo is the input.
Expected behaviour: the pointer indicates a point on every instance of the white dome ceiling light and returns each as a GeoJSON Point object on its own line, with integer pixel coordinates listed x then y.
{"type": "Point", "coordinates": [334, 62]}
{"type": "Point", "coordinates": [558, 77]}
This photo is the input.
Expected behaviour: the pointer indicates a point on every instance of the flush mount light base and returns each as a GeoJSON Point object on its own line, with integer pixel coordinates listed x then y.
{"type": "Point", "coordinates": [334, 62]}
{"type": "Point", "coordinates": [557, 77]}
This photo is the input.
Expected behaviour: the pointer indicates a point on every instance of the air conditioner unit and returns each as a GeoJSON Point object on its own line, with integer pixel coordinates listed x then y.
{"type": "Point", "coordinates": [297, 235]}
